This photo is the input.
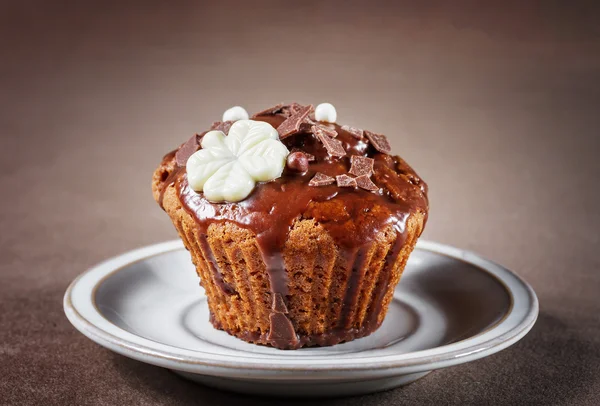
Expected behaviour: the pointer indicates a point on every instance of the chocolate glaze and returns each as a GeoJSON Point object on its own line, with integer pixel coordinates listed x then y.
{"type": "Point", "coordinates": [352, 216]}
{"type": "Point", "coordinates": [356, 263]}
{"type": "Point", "coordinates": [278, 305]}
{"type": "Point", "coordinates": [385, 281]}
{"type": "Point", "coordinates": [214, 267]}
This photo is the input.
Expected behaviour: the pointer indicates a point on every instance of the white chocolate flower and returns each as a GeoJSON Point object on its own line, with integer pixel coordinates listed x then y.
{"type": "Point", "coordinates": [326, 112]}
{"type": "Point", "coordinates": [235, 113]}
{"type": "Point", "coordinates": [228, 167]}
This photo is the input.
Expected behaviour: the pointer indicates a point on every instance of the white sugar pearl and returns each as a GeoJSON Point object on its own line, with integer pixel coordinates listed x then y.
{"type": "Point", "coordinates": [326, 112]}
{"type": "Point", "coordinates": [235, 113]}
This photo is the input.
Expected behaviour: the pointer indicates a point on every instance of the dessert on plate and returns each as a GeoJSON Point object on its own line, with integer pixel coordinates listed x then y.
{"type": "Point", "coordinates": [299, 227]}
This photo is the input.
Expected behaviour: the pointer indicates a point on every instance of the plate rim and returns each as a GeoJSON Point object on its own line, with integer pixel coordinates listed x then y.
{"type": "Point", "coordinates": [445, 355]}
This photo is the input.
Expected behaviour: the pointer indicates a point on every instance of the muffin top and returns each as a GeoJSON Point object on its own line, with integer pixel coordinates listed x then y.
{"type": "Point", "coordinates": [344, 178]}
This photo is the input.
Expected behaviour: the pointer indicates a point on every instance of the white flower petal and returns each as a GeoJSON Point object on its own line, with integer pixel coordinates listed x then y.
{"type": "Point", "coordinates": [228, 167]}
{"type": "Point", "coordinates": [202, 165]}
{"type": "Point", "coordinates": [258, 168]}
{"type": "Point", "coordinates": [244, 134]}
{"type": "Point", "coordinates": [230, 183]}
{"type": "Point", "coordinates": [265, 161]}
{"type": "Point", "coordinates": [214, 139]}
{"type": "Point", "coordinates": [268, 148]}
{"type": "Point", "coordinates": [205, 162]}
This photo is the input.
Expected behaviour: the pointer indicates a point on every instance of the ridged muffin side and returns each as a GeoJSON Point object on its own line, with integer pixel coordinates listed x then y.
{"type": "Point", "coordinates": [332, 296]}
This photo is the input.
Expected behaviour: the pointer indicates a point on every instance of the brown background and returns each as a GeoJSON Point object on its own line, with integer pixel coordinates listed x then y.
{"type": "Point", "coordinates": [497, 106]}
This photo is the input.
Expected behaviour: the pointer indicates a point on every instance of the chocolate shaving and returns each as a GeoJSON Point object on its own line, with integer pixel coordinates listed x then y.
{"type": "Point", "coordinates": [333, 146]}
{"type": "Point", "coordinates": [364, 182]}
{"type": "Point", "coordinates": [278, 305]}
{"type": "Point", "coordinates": [270, 111]}
{"type": "Point", "coordinates": [379, 142]}
{"type": "Point", "coordinates": [309, 120]}
{"type": "Point", "coordinates": [307, 124]}
{"type": "Point", "coordinates": [327, 131]}
{"type": "Point", "coordinates": [306, 127]}
{"type": "Point", "coordinates": [281, 331]}
{"type": "Point", "coordinates": [223, 126]}
{"type": "Point", "coordinates": [187, 149]}
{"type": "Point", "coordinates": [320, 179]}
{"type": "Point", "coordinates": [290, 109]}
{"type": "Point", "coordinates": [361, 165]}
{"type": "Point", "coordinates": [355, 132]}
{"type": "Point", "coordinates": [292, 124]}
{"type": "Point", "coordinates": [345, 181]}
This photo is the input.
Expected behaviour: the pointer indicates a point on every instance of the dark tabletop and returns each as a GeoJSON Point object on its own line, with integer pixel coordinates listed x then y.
{"type": "Point", "coordinates": [496, 106]}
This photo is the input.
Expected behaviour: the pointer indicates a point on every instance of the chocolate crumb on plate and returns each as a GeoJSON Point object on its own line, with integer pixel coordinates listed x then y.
{"type": "Point", "coordinates": [361, 165]}
{"type": "Point", "coordinates": [333, 146]}
{"type": "Point", "coordinates": [292, 124]}
{"type": "Point", "coordinates": [345, 181]}
{"type": "Point", "coordinates": [320, 179]}
{"type": "Point", "coordinates": [223, 126]}
{"type": "Point", "coordinates": [355, 132]}
{"type": "Point", "coordinates": [379, 142]}
{"type": "Point", "coordinates": [365, 182]}
{"type": "Point", "coordinates": [187, 149]}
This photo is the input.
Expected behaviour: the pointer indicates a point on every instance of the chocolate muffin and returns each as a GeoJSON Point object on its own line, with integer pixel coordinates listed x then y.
{"type": "Point", "coordinates": [299, 228]}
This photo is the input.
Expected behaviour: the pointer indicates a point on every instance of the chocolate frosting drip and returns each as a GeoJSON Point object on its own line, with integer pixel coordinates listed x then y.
{"type": "Point", "coordinates": [352, 216]}
{"type": "Point", "coordinates": [356, 263]}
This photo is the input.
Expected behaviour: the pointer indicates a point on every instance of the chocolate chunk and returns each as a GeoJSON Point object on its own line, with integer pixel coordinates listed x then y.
{"type": "Point", "coordinates": [361, 165]}
{"type": "Point", "coordinates": [281, 332]}
{"type": "Point", "coordinates": [364, 182]}
{"type": "Point", "coordinates": [290, 109]}
{"type": "Point", "coordinates": [292, 124]}
{"type": "Point", "coordinates": [309, 120]}
{"type": "Point", "coordinates": [306, 127]}
{"type": "Point", "coordinates": [320, 179]}
{"type": "Point", "coordinates": [333, 146]}
{"type": "Point", "coordinates": [310, 126]}
{"type": "Point", "coordinates": [345, 181]}
{"type": "Point", "coordinates": [270, 111]}
{"type": "Point", "coordinates": [187, 149]}
{"type": "Point", "coordinates": [278, 305]}
{"type": "Point", "coordinates": [379, 142]}
{"type": "Point", "coordinates": [327, 131]}
{"type": "Point", "coordinates": [297, 161]}
{"type": "Point", "coordinates": [223, 126]}
{"type": "Point", "coordinates": [355, 132]}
